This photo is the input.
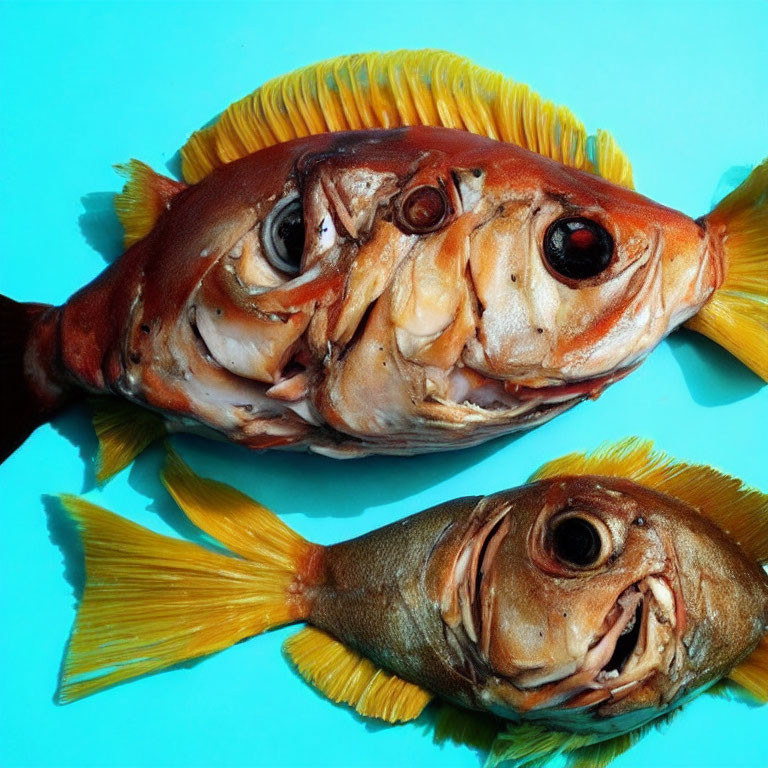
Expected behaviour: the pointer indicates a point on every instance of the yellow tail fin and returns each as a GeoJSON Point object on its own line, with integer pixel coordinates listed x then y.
{"type": "Point", "coordinates": [736, 317]}
{"type": "Point", "coordinates": [151, 601]}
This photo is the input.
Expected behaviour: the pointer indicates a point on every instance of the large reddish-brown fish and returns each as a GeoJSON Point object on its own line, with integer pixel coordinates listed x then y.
{"type": "Point", "coordinates": [601, 596]}
{"type": "Point", "coordinates": [385, 254]}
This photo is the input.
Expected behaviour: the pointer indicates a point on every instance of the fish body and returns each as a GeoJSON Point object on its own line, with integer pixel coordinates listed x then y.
{"type": "Point", "coordinates": [389, 290]}
{"type": "Point", "coordinates": [585, 603]}
{"type": "Point", "coordinates": [454, 599]}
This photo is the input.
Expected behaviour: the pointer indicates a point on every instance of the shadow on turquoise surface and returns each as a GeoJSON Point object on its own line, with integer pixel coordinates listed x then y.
{"type": "Point", "coordinates": [713, 376]}
{"type": "Point", "coordinates": [100, 226]}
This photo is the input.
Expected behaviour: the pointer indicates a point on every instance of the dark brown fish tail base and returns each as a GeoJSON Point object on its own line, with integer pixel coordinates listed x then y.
{"type": "Point", "coordinates": [28, 342]}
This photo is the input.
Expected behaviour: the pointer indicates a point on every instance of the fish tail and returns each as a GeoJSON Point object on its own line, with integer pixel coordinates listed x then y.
{"type": "Point", "coordinates": [736, 317]}
{"type": "Point", "coordinates": [151, 601]}
{"type": "Point", "coordinates": [28, 337]}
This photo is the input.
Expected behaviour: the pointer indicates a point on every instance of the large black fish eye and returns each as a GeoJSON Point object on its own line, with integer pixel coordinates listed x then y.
{"type": "Point", "coordinates": [576, 541]}
{"type": "Point", "coordinates": [282, 235]}
{"type": "Point", "coordinates": [577, 248]}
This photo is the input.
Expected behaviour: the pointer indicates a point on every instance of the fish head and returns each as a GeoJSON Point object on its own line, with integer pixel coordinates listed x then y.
{"type": "Point", "coordinates": [596, 603]}
{"type": "Point", "coordinates": [423, 287]}
{"type": "Point", "coordinates": [577, 278]}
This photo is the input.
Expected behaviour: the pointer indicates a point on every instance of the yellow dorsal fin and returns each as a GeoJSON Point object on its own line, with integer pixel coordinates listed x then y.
{"type": "Point", "coordinates": [343, 675]}
{"type": "Point", "coordinates": [742, 512]}
{"type": "Point", "coordinates": [389, 90]}
{"type": "Point", "coordinates": [736, 317]}
{"type": "Point", "coordinates": [145, 196]}
{"type": "Point", "coordinates": [124, 431]}
{"type": "Point", "coordinates": [752, 673]}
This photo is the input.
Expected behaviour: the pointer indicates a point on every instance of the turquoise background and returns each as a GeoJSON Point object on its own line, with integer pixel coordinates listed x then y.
{"type": "Point", "coordinates": [85, 85]}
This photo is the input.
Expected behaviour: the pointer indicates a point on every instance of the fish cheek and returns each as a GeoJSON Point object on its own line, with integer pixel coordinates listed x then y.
{"type": "Point", "coordinates": [367, 393]}
{"type": "Point", "coordinates": [526, 621]}
{"type": "Point", "coordinates": [517, 295]}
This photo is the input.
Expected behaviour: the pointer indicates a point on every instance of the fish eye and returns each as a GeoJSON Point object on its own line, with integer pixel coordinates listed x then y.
{"type": "Point", "coordinates": [423, 210]}
{"type": "Point", "coordinates": [577, 248]}
{"type": "Point", "coordinates": [282, 235]}
{"type": "Point", "coordinates": [577, 542]}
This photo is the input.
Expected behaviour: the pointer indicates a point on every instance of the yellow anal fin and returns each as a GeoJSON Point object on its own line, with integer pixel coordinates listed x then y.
{"type": "Point", "coordinates": [124, 431]}
{"type": "Point", "coordinates": [343, 675]}
{"type": "Point", "coordinates": [145, 196]}
{"type": "Point", "coordinates": [151, 601]}
{"type": "Point", "coordinates": [395, 89]}
{"type": "Point", "coordinates": [736, 317]}
{"type": "Point", "coordinates": [742, 512]}
{"type": "Point", "coordinates": [752, 673]}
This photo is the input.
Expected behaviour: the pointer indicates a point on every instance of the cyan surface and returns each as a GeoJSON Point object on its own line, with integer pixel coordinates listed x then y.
{"type": "Point", "coordinates": [85, 85]}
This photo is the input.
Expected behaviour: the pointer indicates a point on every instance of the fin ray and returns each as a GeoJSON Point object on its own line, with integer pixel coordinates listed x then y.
{"type": "Point", "coordinates": [151, 601]}
{"type": "Point", "coordinates": [462, 726]}
{"type": "Point", "coordinates": [736, 317]}
{"type": "Point", "coordinates": [144, 197]}
{"type": "Point", "coordinates": [389, 90]}
{"type": "Point", "coordinates": [345, 676]}
{"type": "Point", "coordinates": [124, 430]}
{"type": "Point", "coordinates": [229, 516]}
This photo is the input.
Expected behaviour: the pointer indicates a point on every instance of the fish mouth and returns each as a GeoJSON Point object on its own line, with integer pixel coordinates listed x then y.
{"type": "Point", "coordinates": [638, 641]}
{"type": "Point", "coordinates": [475, 391]}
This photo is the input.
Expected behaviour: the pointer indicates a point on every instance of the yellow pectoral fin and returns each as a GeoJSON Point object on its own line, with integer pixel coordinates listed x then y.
{"type": "Point", "coordinates": [343, 675]}
{"type": "Point", "coordinates": [725, 500]}
{"type": "Point", "coordinates": [752, 673]}
{"type": "Point", "coordinates": [124, 431]}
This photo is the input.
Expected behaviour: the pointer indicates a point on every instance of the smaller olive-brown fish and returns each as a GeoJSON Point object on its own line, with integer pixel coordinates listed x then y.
{"type": "Point", "coordinates": [597, 598]}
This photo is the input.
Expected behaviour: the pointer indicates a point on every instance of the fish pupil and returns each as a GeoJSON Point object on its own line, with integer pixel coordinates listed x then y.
{"type": "Point", "coordinates": [577, 248]}
{"type": "Point", "coordinates": [283, 235]}
{"type": "Point", "coordinates": [290, 237]}
{"type": "Point", "coordinates": [576, 541]}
